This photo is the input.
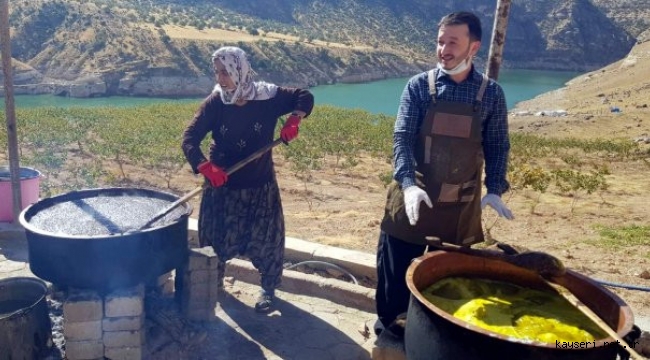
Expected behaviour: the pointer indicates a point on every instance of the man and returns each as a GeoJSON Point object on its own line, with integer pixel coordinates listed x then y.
{"type": "Point", "coordinates": [450, 121]}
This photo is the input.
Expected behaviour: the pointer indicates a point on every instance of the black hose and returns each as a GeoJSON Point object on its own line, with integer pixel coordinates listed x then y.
{"type": "Point", "coordinates": [326, 264]}
{"type": "Point", "coordinates": [624, 286]}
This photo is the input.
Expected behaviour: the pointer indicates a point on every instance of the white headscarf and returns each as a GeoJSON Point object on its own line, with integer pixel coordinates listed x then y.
{"type": "Point", "coordinates": [239, 69]}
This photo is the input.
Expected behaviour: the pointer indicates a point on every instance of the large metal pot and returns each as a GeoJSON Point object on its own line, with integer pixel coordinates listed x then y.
{"type": "Point", "coordinates": [433, 334]}
{"type": "Point", "coordinates": [25, 328]}
{"type": "Point", "coordinates": [110, 261]}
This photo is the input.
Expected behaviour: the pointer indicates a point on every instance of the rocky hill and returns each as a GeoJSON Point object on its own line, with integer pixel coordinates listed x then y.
{"type": "Point", "coordinates": [631, 15]}
{"type": "Point", "coordinates": [161, 48]}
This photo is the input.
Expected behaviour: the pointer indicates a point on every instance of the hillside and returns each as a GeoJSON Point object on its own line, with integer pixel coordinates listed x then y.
{"type": "Point", "coordinates": [161, 48]}
{"type": "Point", "coordinates": [611, 102]}
{"type": "Point", "coordinates": [632, 15]}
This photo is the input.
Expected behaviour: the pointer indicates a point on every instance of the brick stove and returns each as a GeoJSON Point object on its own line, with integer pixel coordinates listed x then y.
{"type": "Point", "coordinates": [200, 293]}
{"type": "Point", "coordinates": [113, 325]}
{"type": "Point", "coordinates": [109, 326]}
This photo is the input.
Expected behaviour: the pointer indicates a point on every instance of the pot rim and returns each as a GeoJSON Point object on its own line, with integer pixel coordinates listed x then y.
{"type": "Point", "coordinates": [51, 201]}
{"type": "Point", "coordinates": [25, 173]}
{"type": "Point", "coordinates": [624, 309]}
{"type": "Point", "coordinates": [25, 309]}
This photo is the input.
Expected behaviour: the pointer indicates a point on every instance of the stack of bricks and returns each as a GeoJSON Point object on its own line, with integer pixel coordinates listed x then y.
{"type": "Point", "coordinates": [109, 326]}
{"type": "Point", "coordinates": [199, 293]}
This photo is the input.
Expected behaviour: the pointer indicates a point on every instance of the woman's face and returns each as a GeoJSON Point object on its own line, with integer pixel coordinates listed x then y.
{"type": "Point", "coordinates": [223, 78]}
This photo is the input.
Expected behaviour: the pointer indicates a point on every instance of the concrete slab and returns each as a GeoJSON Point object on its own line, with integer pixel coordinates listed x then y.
{"type": "Point", "coordinates": [337, 291]}
{"type": "Point", "coordinates": [301, 327]}
{"type": "Point", "coordinates": [359, 263]}
{"type": "Point", "coordinates": [13, 252]}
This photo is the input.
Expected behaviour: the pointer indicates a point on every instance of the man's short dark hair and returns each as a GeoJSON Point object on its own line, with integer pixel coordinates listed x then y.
{"type": "Point", "coordinates": [464, 18]}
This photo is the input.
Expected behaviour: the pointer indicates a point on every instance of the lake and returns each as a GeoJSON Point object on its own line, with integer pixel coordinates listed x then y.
{"type": "Point", "coordinates": [383, 96]}
{"type": "Point", "coordinates": [376, 97]}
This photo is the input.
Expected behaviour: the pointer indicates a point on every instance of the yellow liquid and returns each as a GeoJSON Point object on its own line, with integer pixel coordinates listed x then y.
{"type": "Point", "coordinates": [512, 310]}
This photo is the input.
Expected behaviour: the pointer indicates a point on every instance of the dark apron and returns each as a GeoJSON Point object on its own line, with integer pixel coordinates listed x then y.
{"type": "Point", "coordinates": [449, 156]}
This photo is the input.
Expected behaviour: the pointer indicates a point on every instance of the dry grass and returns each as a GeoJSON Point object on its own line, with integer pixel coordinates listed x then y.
{"type": "Point", "coordinates": [222, 35]}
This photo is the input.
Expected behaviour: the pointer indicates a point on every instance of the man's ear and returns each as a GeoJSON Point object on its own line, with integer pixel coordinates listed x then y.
{"type": "Point", "coordinates": [473, 48]}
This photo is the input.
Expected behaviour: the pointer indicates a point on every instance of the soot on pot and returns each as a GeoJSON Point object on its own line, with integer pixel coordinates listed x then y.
{"type": "Point", "coordinates": [103, 215]}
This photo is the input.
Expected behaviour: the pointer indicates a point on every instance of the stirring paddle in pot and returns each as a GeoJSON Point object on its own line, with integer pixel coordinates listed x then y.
{"type": "Point", "coordinates": [537, 261]}
{"type": "Point", "coordinates": [573, 300]}
{"type": "Point", "coordinates": [548, 267]}
{"type": "Point", "coordinates": [199, 189]}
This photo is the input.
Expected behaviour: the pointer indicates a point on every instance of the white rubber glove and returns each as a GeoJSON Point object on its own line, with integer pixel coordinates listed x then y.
{"type": "Point", "coordinates": [497, 204]}
{"type": "Point", "coordinates": [413, 195]}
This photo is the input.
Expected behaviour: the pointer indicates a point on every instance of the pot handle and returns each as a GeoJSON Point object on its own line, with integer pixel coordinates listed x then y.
{"type": "Point", "coordinates": [631, 339]}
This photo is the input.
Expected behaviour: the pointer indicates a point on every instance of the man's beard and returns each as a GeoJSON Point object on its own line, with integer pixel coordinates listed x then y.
{"type": "Point", "coordinates": [461, 67]}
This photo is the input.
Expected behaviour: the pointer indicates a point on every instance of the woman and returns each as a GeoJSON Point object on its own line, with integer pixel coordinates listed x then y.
{"type": "Point", "coordinates": [241, 213]}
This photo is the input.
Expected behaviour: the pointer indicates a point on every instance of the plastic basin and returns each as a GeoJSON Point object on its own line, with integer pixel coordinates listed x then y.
{"type": "Point", "coordinates": [29, 187]}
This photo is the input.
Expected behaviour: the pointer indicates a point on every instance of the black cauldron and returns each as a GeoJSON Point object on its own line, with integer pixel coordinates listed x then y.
{"type": "Point", "coordinates": [25, 328]}
{"type": "Point", "coordinates": [118, 258]}
{"type": "Point", "coordinates": [433, 334]}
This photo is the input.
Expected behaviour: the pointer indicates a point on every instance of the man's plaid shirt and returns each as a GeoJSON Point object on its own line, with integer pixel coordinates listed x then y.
{"type": "Point", "coordinates": [494, 116]}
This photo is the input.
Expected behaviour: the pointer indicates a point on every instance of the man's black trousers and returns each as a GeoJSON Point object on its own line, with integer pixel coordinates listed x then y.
{"type": "Point", "coordinates": [393, 259]}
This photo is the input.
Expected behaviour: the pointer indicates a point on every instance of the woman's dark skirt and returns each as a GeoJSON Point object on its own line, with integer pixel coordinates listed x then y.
{"type": "Point", "coordinates": [246, 222]}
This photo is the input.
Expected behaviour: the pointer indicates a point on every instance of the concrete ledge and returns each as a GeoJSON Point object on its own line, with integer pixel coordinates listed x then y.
{"type": "Point", "coordinates": [296, 250]}
{"type": "Point", "coordinates": [356, 262]}
{"type": "Point", "coordinates": [334, 290]}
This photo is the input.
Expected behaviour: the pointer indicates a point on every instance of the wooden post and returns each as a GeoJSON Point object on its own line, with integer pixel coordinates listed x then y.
{"type": "Point", "coordinates": [12, 137]}
{"type": "Point", "coordinates": [498, 38]}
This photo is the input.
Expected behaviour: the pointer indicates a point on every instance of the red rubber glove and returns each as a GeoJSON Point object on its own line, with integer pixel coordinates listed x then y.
{"type": "Point", "coordinates": [290, 129]}
{"type": "Point", "coordinates": [213, 173]}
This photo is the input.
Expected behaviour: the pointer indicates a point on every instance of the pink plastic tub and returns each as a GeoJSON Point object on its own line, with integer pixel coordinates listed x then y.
{"type": "Point", "coordinates": [29, 187]}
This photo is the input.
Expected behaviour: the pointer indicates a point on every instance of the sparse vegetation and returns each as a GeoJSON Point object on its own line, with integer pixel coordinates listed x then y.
{"type": "Point", "coordinates": [148, 138]}
{"type": "Point", "coordinates": [622, 236]}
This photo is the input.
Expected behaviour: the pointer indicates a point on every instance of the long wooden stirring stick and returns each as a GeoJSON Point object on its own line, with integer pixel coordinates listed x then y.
{"type": "Point", "coordinates": [199, 189]}
{"type": "Point", "coordinates": [594, 317]}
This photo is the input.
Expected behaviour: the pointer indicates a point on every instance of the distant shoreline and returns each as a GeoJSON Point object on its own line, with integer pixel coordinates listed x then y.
{"type": "Point", "coordinates": [376, 96]}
